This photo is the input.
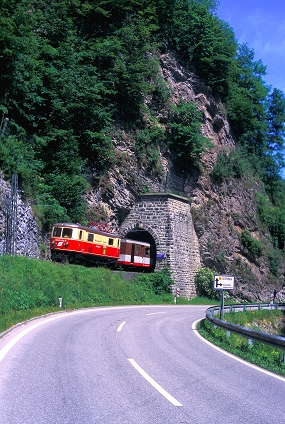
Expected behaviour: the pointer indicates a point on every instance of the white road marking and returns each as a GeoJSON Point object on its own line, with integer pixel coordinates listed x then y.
{"type": "Point", "coordinates": [156, 313]}
{"type": "Point", "coordinates": [121, 326]}
{"type": "Point", "coordinates": [194, 327]}
{"type": "Point", "coordinates": [163, 392]}
{"type": "Point", "coordinates": [12, 342]}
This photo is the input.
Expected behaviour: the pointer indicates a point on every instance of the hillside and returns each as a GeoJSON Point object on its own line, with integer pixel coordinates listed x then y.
{"type": "Point", "coordinates": [221, 212]}
{"type": "Point", "coordinates": [107, 100]}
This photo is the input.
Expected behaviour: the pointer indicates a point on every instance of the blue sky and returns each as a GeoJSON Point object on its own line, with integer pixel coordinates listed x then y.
{"type": "Point", "coordinates": [260, 24]}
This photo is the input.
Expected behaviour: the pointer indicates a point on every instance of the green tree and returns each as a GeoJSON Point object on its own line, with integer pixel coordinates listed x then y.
{"type": "Point", "coordinates": [246, 102]}
{"type": "Point", "coordinates": [274, 157]}
{"type": "Point", "coordinates": [184, 135]}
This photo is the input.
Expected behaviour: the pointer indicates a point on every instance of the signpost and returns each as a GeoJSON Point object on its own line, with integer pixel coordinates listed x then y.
{"type": "Point", "coordinates": [177, 294]}
{"type": "Point", "coordinates": [223, 282]}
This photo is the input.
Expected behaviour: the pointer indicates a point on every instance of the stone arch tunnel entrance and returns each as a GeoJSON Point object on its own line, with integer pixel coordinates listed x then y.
{"type": "Point", "coordinates": [143, 235]}
{"type": "Point", "coordinates": [164, 220]}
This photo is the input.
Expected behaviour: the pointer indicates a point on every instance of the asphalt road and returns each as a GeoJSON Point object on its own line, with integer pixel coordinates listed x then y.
{"type": "Point", "coordinates": [129, 365]}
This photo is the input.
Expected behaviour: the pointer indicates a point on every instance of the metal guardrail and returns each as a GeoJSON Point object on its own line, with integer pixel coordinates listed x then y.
{"type": "Point", "coordinates": [275, 341]}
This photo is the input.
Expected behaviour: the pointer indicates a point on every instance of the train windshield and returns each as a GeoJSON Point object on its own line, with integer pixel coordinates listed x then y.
{"type": "Point", "coordinates": [62, 232]}
{"type": "Point", "coordinates": [56, 232]}
{"type": "Point", "coordinates": [67, 232]}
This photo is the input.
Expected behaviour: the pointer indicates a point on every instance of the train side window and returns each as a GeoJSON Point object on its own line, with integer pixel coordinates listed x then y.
{"type": "Point", "coordinates": [138, 250]}
{"type": "Point", "coordinates": [67, 232]}
{"type": "Point", "coordinates": [56, 232]}
{"type": "Point", "coordinates": [111, 242]}
{"type": "Point", "coordinates": [146, 252]}
{"type": "Point", "coordinates": [80, 235]}
{"type": "Point", "coordinates": [90, 237]}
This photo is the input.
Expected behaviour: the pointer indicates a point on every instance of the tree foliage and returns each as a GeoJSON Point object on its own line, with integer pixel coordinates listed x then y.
{"type": "Point", "coordinates": [73, 70]}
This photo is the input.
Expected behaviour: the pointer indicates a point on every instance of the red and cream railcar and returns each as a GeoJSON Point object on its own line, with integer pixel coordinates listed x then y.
{"type": "Point", "coordinates": [134, 254]}
{"type": "Point", "coordinates": [76, 243]}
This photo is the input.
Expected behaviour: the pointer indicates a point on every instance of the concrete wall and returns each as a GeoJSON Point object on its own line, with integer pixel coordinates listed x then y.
{"type": "Point", "coordinates": [167, 218]}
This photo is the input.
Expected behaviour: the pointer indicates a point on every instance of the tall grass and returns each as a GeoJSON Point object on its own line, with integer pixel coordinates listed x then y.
{"type": "Point", "coordinates": [30, 287]}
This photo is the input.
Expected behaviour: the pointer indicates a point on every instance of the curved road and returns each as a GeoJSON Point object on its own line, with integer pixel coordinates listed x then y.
{"type": "Point", "coordinates": [129, 365]}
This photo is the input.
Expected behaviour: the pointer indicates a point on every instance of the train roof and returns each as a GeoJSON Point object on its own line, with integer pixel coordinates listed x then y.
{"type": "Point", "coordinates": [85, 228]}
{"type": "Point", "coordinates": [143, 243]}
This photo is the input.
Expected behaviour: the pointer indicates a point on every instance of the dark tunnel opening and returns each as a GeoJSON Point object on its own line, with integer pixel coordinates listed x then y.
{"type": "Point", "coordinates": [143, 235]}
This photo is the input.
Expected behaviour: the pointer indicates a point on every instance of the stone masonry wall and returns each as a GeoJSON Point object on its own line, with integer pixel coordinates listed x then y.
{"type": "Point", "coordinates": [168, 219]}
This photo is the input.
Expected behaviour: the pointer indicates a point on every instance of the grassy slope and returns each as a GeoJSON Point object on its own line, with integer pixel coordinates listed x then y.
{"type": "Point", "coordinates": [30, 287]}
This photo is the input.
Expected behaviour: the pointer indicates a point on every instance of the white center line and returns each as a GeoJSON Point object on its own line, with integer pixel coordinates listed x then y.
{"type": "Point", "coordinates": [121, 326]}
{"type": "Point", "coordinates": [163, 392]}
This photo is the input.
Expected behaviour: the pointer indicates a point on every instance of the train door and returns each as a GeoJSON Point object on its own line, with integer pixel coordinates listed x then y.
{"type": "Point", "coordinates": [80, 240]}
{"type": "Point", "coordinates": [133, 253]}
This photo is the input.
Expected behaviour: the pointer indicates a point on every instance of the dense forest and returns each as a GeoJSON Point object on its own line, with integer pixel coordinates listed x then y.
{"type": "Point", "coordinates": [74, 71]}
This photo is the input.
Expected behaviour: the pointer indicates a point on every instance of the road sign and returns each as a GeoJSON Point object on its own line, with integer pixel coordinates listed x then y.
{"type": "Point", "coordinates": [224, 282]}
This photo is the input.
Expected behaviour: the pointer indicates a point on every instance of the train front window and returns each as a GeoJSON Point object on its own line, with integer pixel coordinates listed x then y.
{"type": "Point", "coordinates": [67, 232]}
{"type": "Point", "coordinates": [56, 232]}
{"type": "Point", "coordinates": [111, 242]}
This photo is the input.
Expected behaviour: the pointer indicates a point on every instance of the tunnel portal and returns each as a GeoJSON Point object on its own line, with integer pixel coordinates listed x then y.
{"type": "Point", "coordinates": [165, 220]}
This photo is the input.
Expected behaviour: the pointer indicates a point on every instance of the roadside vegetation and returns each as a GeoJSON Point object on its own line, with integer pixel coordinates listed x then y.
{"type": "Point", "coordinates": [30, 288]}
{"type": "Point", "coordinates": [263, 355]}
{"type": "Point", "coordinates": [268, 321]}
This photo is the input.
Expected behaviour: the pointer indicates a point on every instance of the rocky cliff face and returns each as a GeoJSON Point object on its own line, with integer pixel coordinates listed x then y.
{"type": "Point", "coordinates": [220, 212]}
{"type": "Point", "coordinates": [27, 238]}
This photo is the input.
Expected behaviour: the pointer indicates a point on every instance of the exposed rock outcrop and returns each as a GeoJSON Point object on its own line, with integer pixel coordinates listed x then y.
{"type": "Point", "coordinates": [25, 237]}
{"type": "Point", "coordinates": [220, 212]}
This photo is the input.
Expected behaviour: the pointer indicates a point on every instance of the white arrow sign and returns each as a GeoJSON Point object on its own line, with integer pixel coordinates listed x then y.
{"type": "Point", "coordinates": [224, 282]}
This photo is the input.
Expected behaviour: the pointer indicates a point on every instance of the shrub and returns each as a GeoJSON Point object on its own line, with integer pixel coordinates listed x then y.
{"type": "Point", "coordinates": [159, 282]}
{"type": "Point", "coordinates": [253, 246]}
{"type": "Point", "coordinates": [204, 282]}
{"type": "Point", "coordinates": [233, 164]}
